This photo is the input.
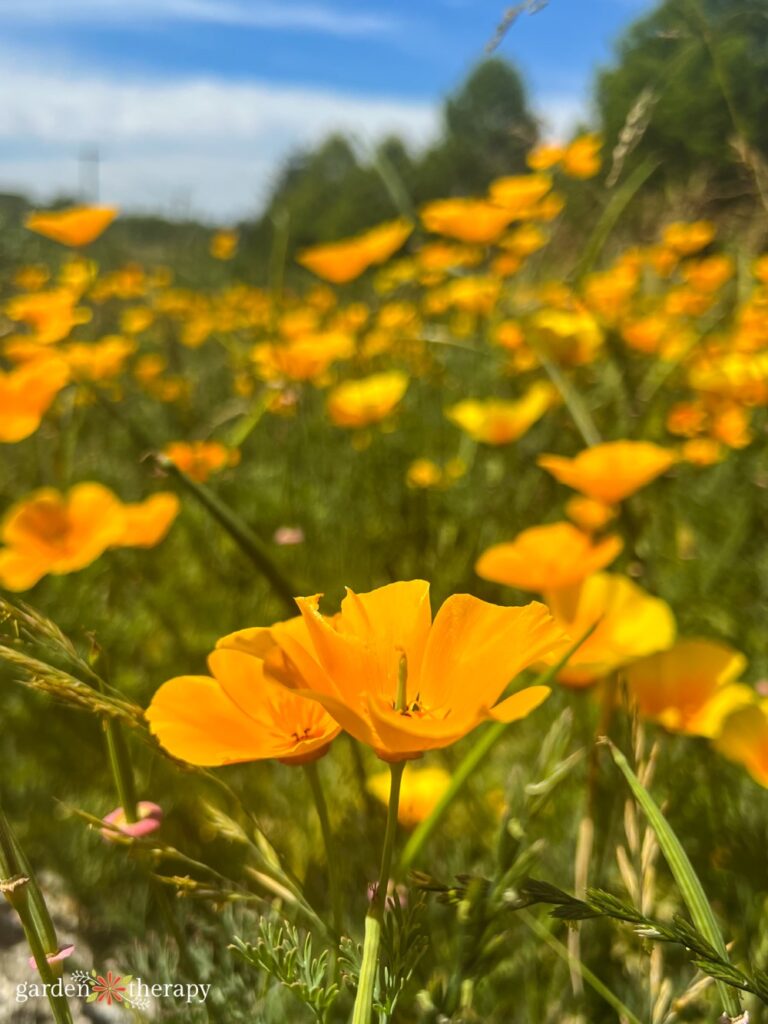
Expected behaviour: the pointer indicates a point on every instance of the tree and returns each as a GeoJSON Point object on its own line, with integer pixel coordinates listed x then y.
{"type": "Point", "coordinates": [700, 67]}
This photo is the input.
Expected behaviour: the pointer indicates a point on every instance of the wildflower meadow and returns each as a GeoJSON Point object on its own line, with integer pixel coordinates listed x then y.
{"type": "Point", "coordinates": [384, 611]}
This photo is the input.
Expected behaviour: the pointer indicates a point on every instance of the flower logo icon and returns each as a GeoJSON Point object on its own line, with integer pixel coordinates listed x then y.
{"type": "Point", "coordinates": [109, 988]}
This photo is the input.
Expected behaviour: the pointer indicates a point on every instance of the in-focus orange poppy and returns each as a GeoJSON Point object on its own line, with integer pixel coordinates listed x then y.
{"type": "Point", "coordinates": [76, 226]}
{"type": "Point", "coordinates": [612, 471]}
{"type": "Point", "coordinates": [359, 403]}
{"type": "Point", "coordinates": [26, 394]}
{"type": "Point", "coordinates": [494, 421]}
{"type": "Point", "coordinates": [544, 558]}
{"type": "Point", "coordinates": [630, 625]}
{"type": "Point", "coordinates": [236, 714]}
{"type": "Point", "coordinates": [345, 260]}
{"type": "Point", "coordinates": [403, 684]}
{"type": "Point", "coordinates": [690, 688]}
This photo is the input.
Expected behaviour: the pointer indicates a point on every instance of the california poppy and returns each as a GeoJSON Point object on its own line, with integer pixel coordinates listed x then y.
{"type": "Point", "coordinates": [403, 684]}
{"type": "Point", "coordinates": [629, 624]}
{"type": "Point", "coordinates": [358, 403]}
{"type": "Point", "coordinates": [237, 714]}
{"type": "Point", "coordinates": [691, 687]}
{"type": "Point", "coordinates": [348, 258]}
{"type": "Point", "coordinates": [544, 558]}
{"type": "Point", "coordinates": [612, 471]}
{"type": "Point", "coordinates": [75, 226]}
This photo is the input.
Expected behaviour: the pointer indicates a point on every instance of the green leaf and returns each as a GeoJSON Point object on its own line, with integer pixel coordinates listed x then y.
{"type": "Point", "coordinates": [687, 880]}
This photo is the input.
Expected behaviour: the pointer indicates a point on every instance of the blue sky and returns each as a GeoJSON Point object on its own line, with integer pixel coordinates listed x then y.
{"type": "Point", "coordinates": [193, 104]}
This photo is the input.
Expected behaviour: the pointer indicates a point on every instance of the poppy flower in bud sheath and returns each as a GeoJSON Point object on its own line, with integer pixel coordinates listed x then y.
{"type": "Point", "coordinates": [613, 471]}
{"type": "Point", "coordinates": [236, 714]}
{"type": "Point", "coordinates": [79, 225]}
{"type": "Point", "coordinates": [403, 684]}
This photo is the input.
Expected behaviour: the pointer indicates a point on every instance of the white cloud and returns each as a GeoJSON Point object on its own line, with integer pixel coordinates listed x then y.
{"type": "Point", "coordinates": [561, 112]}
{"type": "Point", "coordinates": [264, 14]}
{"type": "Point", "coordinates": [209, 145]}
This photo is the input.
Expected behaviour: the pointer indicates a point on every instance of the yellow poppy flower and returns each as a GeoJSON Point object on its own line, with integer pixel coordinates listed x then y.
{"type": "Point", "coordinates": [612, 471]}
{"type": "Point", "coordinates": [403, 684]}
{"type": "Point", "coordinates": [420, 791]}
{"type": "Point", "coordinates": [545, 558]}
{"type": "Point", "coordinates": [76, 226]}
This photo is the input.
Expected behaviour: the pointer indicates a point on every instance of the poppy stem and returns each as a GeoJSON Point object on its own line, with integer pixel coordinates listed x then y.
{"type": "Point", "coordinates": [321, 805]}
{"type": "Point", "coordinates": [373, 921]}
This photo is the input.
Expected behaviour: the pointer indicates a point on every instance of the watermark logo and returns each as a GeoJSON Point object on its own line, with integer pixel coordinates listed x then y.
{"type": "Point", "coordinates": [112, 989]}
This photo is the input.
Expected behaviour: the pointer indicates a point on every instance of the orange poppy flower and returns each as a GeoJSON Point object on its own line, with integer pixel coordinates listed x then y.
{"type": "Point", "coordinates": [520, 192]}
{"type": "Point", "coordinates": [581, 158]}
{"type": "Point", "coordinates": [76, 226]}
{"type": "Point", "coordinates": [403, 684]}
{"type": "Point", "coordinates": [610, 472]}
{"type": "Point", "coordinates": [358, 403]}
{"type": "Point", "coordinates": [588, 514]}
{"type": "Point", "coordinates": [53, 533]}
{"type": "Point", "coordinates": [494, 421]}
{"type": "Point", "coordinates": [199, 459]}
{"type": "Point", "coordinates": [467, 220]}
{"type": "Point", "coordinates": [630, 625]}
{"type": "Point", "coordinates": [51, 315]}
{"type": "Point", "coordinates": [743, 738]}
{"type": "Point", "coordinates": [345, 260]}
{"type": "Point", "coordinates": [26, 395]}
{"type": "Point", "coordinates": [545, 558]}
{"type": "Point", "coordinates": [690, 688]}
{"type": "Point", "coordinates": [237, 714]}
{"type": "Point", "coordinates": [303, 358]}
{"type": "Point", "coordinates": [223, 245]}
{"type": "Point", "coordinates": [147, 522]}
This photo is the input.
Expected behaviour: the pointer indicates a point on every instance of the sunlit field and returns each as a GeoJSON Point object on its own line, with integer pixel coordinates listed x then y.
{"type": "Point", "coordinates": [383, 620]}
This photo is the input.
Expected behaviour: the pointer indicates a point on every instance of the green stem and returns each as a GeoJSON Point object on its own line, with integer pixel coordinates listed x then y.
{"type": "Point", "coordinates": [122, 772]}
{"type": "Point", "coordinates": [321, 805]}
{"type": "Point", "coordinates": [591, 979]}
{"type": "Point", "coordinates": [58, 1003]}
{"type": "Point", "coordinates": [373, 921]}
{"type": "Point", "coordinates": [13, 861]}
{"type": "Point", "coordinates": [243, 536]}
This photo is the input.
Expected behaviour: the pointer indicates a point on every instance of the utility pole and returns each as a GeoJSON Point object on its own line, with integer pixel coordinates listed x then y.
{"type": "Point", "coordinates": [89, 174]}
